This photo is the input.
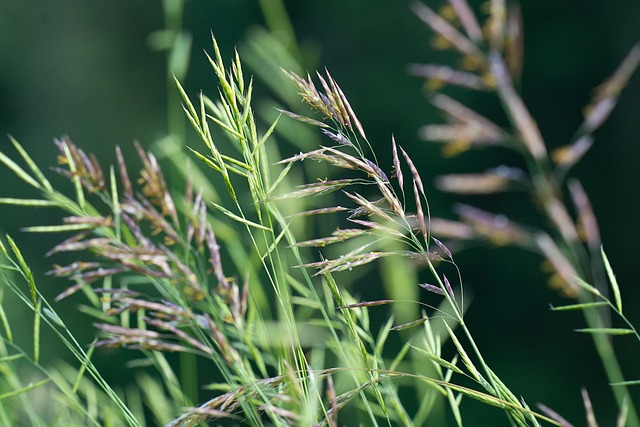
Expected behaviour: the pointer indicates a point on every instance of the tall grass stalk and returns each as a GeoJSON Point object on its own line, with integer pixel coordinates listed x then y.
{"type": "Point", "coordinates": [491, 55]}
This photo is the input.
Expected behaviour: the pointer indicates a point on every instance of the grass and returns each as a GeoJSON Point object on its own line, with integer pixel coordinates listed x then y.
{"type": "Point", "coordinates": [247, 273]}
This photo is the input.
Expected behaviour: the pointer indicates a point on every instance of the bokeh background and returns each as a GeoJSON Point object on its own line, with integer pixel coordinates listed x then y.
{"type": "Point", "coordinates": [96, 71]}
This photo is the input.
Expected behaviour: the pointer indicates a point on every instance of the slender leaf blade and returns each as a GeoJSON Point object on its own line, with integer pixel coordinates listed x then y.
{"type": "Point", "coordinates": [21, 173]}
{"type": "Point", "coordinates": [238, 218]}
{"type": "Point", "coordinates": [626, 383]}
{"type": "Point", "coordinates": [32, 165]}
{"type": "Point", "coordinates": [24, 389]}
{"type": "Point", "coordinates": [27, 202]}
{"type": "Point", "coordinates": [606, 331]}
{"type": "Point", "coordinates": [582, 306]}
{"type": "Point", "coordinates": [612, 279]}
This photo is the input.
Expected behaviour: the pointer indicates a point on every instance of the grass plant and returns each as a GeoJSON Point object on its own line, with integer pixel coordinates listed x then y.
{"type": "Point", "coordinates": [247, 273]}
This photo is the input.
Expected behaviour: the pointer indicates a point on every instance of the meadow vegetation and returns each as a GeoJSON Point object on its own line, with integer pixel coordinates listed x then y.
{"type": "Point", "coordinates": [234, 282]}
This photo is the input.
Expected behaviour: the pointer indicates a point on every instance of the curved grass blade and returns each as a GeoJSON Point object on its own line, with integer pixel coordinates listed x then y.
{"type": "Point", "coordinates": [612, 278]}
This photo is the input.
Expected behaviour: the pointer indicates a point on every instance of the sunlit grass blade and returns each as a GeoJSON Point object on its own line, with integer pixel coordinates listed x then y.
{"type": "Point", "coordinates": [21, 173]}
{"type": "Point", "coordinates": [266, 135]}
{"type": "Point", "coordinates": [582, 306]}
{"type": "Point", "coordinates": [281, 176]}
{"type": "Point", "coordinates": [32, 165]}
{"type": "Point", "coordinates": [24, 389]}
{"type": "Point", "coordinates": [80, 197]}
{"type": "Point", "coordinates": [275, 242]}
{"type": "Point", "coordinates": [83, 368]}
{"type": "Point", "coordinates": [6, 324]}
{"type": "Point", "coordinates": [63, 228]}
{"type": "Point", "coordinates": [626, 383]}
{"type": "Point", "coordinates": [367, 304]}
{"type": "Point", "coordinates": [499, 403]}
{"type": "Point", "coordinates": [27, 202]}
{"type": "Point", "coordinates": [238, 218]}
{"type": "Point", "coordinates": [612, 279]}
{"type": "Point", "coordinates": [588, 287]}
{"type": "Point", "coordinates": [205, 160]}
{"type": "Point", "coordinates": [222, 125]}
{"type": "Point", "coordinates": [623, 414]}
{"type": "Point", "coordinates": [188, 105]}
{"type": "Point", "coordinates": [438, 360]}
{"type": "Point", "coordinates": [26, 271]}
{"type": "Point", "coordinates": [37, 315]}
{"type": "Point", "coordinates": [409, 325]}
{"type": "Point", "coordinates": [467, 361]}
{"type": "Point", "coordinates": [606, 331]}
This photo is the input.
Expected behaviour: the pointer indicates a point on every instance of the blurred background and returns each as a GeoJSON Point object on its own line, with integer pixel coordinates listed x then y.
{"type": "Point", "coordinates": [97, 71]}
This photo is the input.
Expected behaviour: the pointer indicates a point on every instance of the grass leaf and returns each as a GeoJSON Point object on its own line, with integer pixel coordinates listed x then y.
{"type": "Point", "coordinates": [27, 202]}
{"type": "Point", "coordinates": [32, 165]}
{"type": "Point", "coordinates": [467, 361]}
{"type": "Point", "coordinates": [21, 173]}
{"type": "Point", "coordinates": [24, 389]}
{"type": "Point", "coordinates": [438, 360]}
{"type": "Point", "coordinates": [26, 271]}
{"type": "Point", "coordinates": [36, 332]}
{"type": "Point", "coordinates": [6, 324]}
{"type": "Point", "coordinates": [606, 331]}
{"type": "Point", "coordinates": [626, 383]}
{"type": "Point", "coordinates": [238, 218]}
{"type": "Point", "coordinates": [409, 324]}
{"type": "Point", "coordinates": [612, 279]}
{"type": "Point", "coordinates": [588, 287]}
{"type": "Point", "coordinates": [57, 228]}
{"type": "Point", "coordinates": [583, 306]}
{"type": "Point", "coordinates": [188, 105]}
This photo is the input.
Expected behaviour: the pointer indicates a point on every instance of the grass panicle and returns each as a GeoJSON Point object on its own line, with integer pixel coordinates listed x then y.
{"type": "Point", "coordinates": [572, 243]}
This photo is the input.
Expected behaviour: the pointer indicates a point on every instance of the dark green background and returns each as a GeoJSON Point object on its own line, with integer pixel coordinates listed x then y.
{"type": "Point", "coordinates": [85, 69]}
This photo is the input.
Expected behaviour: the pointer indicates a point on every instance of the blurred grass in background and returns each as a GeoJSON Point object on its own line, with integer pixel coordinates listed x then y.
{"type": "Point", "coordinates": [89, 70]}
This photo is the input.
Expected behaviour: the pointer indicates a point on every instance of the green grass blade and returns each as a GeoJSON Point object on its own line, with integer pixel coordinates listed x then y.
{"type": "Point", "coordinates": [612, 280]}
{"type": "Point", "coordinates": [188, 105]}
{"type": "Point", "coordinates": [36, 332]}
{"type": "Point", "coordinates": [409, 325]}
{"type": "Point", "coordinates": [266, 136]}
{"type": "Point", "coordinates": [467, 361]}
{"type": "Point", "coordinates": [5, 324]}
{"type": "Point", "coordinates": [582, 306]}
{"type": "Point", "coordinates": [439, 360]}
{"type": "Point", "coordinates": [115, 202]}
{"type": "Point", "coordinates": [235, 162]}
{"type": "Point", "coordinates": [281, 177]}
{"type": "Point", "coordinates": [26, 271]}
{"type": "Point", "coordinates": [11, 358]}
{"type": "Point", "coordinates": [57, 228]}
{"type": "Point", "coordinates": [225, 127]}
{"type": "Point", "coordinates": [587, 287]}
{"type": "Point", "coordinates": [606, 331]}
{"type": "Point", "coordinates": [32, 165]}
{"type": "Point", "coordinates": [275, 242]}
{"type": "Point", "coordinates": [206, 160]}
{"type": "Point", "coordinates": [238, 218]}
{"type": "Point", "coordinates": [83, 368]}
{"type": "Point", "coordinates": [21, 173]}
{"type": "Point", "coordinates": [27, 202]}
{"type": "Point", "coordinates": [76, 179]}
{"type": "Point", "coordinates": [24, 389]}
{"type": "Point", "coordinates": [626, 383]}
{"type": "Point", "coordinates": [53, 316]}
